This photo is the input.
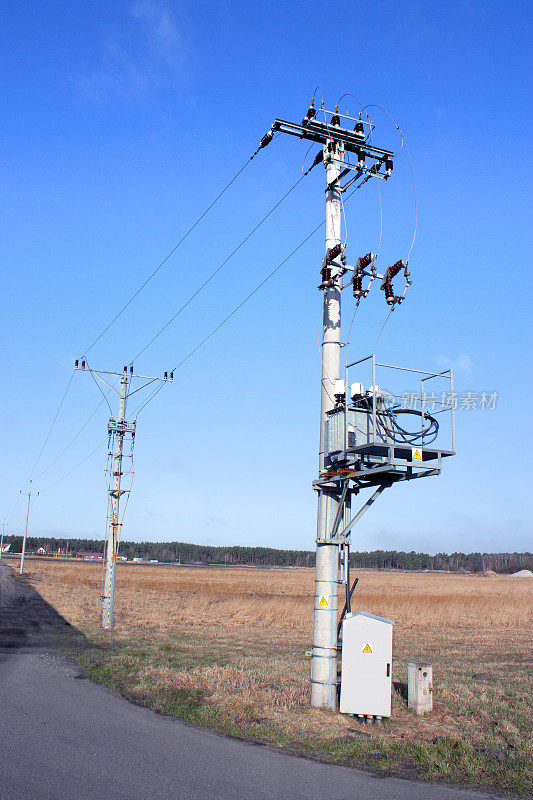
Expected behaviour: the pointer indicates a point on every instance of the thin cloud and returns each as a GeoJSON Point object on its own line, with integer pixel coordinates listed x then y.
{"type": "Point", "coordinates": [463, 363]}
{"type": "Point", "coordinates": [148, 54]}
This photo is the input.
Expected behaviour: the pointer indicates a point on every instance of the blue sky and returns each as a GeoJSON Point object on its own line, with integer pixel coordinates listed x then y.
{"type": "Point", "coordinates": [122, 121]}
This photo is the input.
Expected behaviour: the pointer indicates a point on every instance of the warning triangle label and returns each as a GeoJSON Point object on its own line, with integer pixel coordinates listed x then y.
{"type": "Point", "coordinates": [367, 648]}
{"type": "Point", "coordinates": [322, 601]}
{"type": "Point", "coordinates": [416, 454]}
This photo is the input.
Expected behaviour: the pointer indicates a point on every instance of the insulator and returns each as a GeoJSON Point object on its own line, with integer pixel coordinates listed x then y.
{"type": "Point", "coordinates": [333, 252]}
{"type": "Point", "coordinates": [335, 120]}
{"type": "Point", "coordinates": [311, 114]}
{"type": "Point", "coordinates": [359, 127]}
{"type": "Point", "coordinates": [125, 369]}
{"type": "Point", "coordinates": [76, 364]}
{"type": "Point", "coordinates": [365, 261]}
{"type": "Point", "coordinates": [389, 293]}
{"type": "Point", "coordinates": [131, 370]}
{"type": "Point", "coordinates": [326, 274]}
{"type": "Point", "coordinates": [389, 166]}
{"type": "Point", "coordinates": [83, 364]}
{"type": "Point", "coordinates": [166, 375]}
{"type": "Point", "coordinates": [171, 376]}
{"type": "Point", "coordinates": [267, 138]}
{"type": "Point", "coordinates": [394, 270]}
{"type": "Point", "coordinates": [360, 157]}
{"type": "Point", "coordinates": [318, 159]}
{"type": "Point", "coordinates": [357, 285]}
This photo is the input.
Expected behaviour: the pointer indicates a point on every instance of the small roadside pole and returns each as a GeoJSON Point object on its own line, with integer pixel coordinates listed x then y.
{"type": "Point", "coordinates": [2, 538]}
{"type": "Point", "coordinates": [25, 531]}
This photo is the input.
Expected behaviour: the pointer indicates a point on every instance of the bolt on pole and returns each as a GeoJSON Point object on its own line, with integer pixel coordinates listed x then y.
{"type": "Point", "coordinates": [324, 653]}
{"type": "Point", "coordinates": [110, 568]}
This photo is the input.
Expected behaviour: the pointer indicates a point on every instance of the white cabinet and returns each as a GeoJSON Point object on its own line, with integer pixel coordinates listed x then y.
{"type": "Point", "coordinates": [366, 665]}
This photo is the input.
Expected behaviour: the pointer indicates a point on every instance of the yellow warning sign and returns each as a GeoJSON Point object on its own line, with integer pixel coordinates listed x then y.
{"type": "Point", "coordinates": [416, 454]}
{"type": "Point", "coordinates": [322, 601]}
{"type": "Point", "coordinates": [367, 648]}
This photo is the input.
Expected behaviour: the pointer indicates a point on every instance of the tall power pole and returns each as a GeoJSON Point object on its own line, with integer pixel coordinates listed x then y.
{"type": "Point", "coordinates": [2, 538]}
{"type": "Point", "coordinates": [25, 531]}
{"type": "Point", "coordinates": [118, 429]}
{"type": "Point", "coordinates": [334, 496]}
{"type": "Point", "coordinates": [324, 658]}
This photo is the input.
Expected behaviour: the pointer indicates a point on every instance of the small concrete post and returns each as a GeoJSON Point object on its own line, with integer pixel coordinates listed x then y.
{"type": "Point", "coordinates": [420, 687]}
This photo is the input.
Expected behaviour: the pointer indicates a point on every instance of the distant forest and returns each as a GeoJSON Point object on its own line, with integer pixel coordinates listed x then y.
{"type": "Point", "coordinates": [186, 553]}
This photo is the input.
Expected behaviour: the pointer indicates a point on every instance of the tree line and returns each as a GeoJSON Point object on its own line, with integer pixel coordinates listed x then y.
{"type": "Point", "coordinates": [186, 553]}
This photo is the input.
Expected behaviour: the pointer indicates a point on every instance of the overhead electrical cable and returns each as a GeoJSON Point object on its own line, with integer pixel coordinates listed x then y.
{"type": "Point", "coordinates": [404, 143]}
{"type": "Point", "coordinates": [223, 264]}
{"type": "Point", "coordinates": [46, 438]}
{"type": "Point", "coordinates": [266, 140]}
{"type": "Point", "coordinates": [71, 442]}
{"type": "Point", "coordinates": [98, 447]}
{"type": "Point", "coordinates": [242, 303]}
{"type": "Point", "coordinates": [180, 242]}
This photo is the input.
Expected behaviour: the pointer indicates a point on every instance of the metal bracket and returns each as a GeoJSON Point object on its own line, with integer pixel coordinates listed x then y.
{"type": "Point", "coordinates": [344, 536]}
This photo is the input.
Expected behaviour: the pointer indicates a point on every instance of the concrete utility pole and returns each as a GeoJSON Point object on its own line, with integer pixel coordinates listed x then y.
{"type": "Point", "coordinates": [118, 430]}
{"type": "Point", "coordinates": [334, 493]}
{"type": "Point", "coordinates": [324, 657]}
{"type": "Point", "coordinates": [2, 538]}
{"type": "Point", "coordinates": [25, 532]}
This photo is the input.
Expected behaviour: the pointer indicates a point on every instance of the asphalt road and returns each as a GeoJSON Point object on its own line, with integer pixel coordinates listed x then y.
{"type": "Point", "coordinates": [62, 737]}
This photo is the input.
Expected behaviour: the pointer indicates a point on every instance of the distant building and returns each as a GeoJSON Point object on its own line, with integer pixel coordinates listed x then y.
{"type": "Point", "coordinates": [90, 556]}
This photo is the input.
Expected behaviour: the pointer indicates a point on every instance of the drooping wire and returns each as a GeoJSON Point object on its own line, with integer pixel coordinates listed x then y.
{"type": "Point", "coordinates": [164, 328]}
{"type": "Point", "coordinates": [221, 266]}
{"type": "Point", "coordinates": [51, 485]}
{"type": "Point", "coordinates": [127, 304]}
{"type": "Point", "coordinates": [171, 253]}
{"type": "Point", "coordinates": [104, 396]}
{"type": "Point", "coordinates": [71, 442]}
{"type": "Point", "coordinates": [349, 94]}
{"type": "Point", "coordinates": [404, 144]}
{"type": "Point", "coordinates": [46, 438]}
{"type": "Point", "coordinates": [232, 313]}
{"type": "Point", "coordinates": [241, 304]}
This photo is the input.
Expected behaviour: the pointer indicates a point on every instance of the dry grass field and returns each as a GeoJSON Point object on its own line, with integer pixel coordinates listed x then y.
{"type": "Point", "coordinates": [226, 647]}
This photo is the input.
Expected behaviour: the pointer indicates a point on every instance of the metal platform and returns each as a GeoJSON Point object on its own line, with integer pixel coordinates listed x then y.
{"type": "Point", "coordinates": [377, 464]}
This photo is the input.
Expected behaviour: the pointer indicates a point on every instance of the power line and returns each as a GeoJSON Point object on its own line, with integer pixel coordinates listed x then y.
{"type": "Point", "coordinates": [264, 142]}
{"type": "Point", "coordinates": [223, 264]}
{"type": "Point", "coordinates": [51, 426]}
{"type": "Point", "coordinates": [182, 308]}
{"type": "Point", "coordinates": [244, 301]}
{"type": "Point", "coordinates": [89, 418]}
{"type": "Point", "coordinates": [404, 143]}
{"type": "Point", "coordinates": [51, 485]}
{"type": "Point", "coordinates": [171, 253]}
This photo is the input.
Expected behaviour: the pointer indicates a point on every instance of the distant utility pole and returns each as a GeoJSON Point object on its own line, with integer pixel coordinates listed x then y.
{"type": "Point", "coordinates": [118, 430]}
{"type": "Point", "coordinates": [25, 530]}
{"type": "Point", "coordinates": [333, 504]}
{"type": "Point", "coordinates": [2, 538]}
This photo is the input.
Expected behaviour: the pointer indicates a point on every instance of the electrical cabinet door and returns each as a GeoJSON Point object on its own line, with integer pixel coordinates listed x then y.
{"type": "Point", "coordinates": [366, 677]}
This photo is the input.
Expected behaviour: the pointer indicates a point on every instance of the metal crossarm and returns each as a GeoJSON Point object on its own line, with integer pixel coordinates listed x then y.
{"type": "Point", "coordinates": [320, 132]}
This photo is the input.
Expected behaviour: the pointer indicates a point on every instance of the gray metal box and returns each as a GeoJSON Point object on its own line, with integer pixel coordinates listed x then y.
{"type": "Point", "coordinates": [360, 429]}
{"type": "Point", "coordinates": [366, 678]}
